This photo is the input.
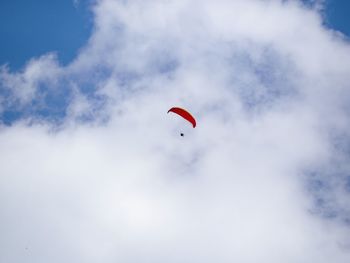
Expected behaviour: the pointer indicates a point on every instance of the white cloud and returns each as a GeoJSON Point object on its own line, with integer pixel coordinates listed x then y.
{"type": "Point", "coordinates": [23, 86]}
{"type": "Point", "coordinates": [263, 178]}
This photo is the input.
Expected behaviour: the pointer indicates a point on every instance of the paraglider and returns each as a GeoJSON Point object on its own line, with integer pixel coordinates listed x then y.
{"type": "Point", "coordinates": [184, 114]}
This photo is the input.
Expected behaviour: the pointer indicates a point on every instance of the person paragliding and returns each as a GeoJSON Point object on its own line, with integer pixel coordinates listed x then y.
{"type": "Point", "coordinates": [184, 114]}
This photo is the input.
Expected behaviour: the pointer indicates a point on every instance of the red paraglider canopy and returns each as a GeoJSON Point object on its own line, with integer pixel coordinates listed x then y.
{"type": "Point", "coordinates": [184, 114]}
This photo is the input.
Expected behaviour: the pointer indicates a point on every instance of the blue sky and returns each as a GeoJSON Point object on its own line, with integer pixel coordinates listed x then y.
{"type": "Point", "coordinates": [337, 15]}
{"type": "Point", "coordinates": [91, 164]}
{"type": "Point", "coordinates": [32, 28]}
{"type": "Point", "coordinates": [62, 27]}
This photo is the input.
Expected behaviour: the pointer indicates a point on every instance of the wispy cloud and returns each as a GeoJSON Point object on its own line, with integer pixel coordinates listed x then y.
{"type": "Point", "coordinates": [264, 177]}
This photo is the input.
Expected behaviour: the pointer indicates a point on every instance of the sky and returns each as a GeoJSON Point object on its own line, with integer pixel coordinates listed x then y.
{"type": "Point", "coordinates": [336, 15]}
{"type": "Point", "coordinates": [93, 169]}
{"type": "Point", "coordinates": [39, 26]}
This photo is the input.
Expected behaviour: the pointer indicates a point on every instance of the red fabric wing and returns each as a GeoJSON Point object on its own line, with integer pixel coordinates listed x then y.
{"type": "Point", "coordinates": [184, 114]}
